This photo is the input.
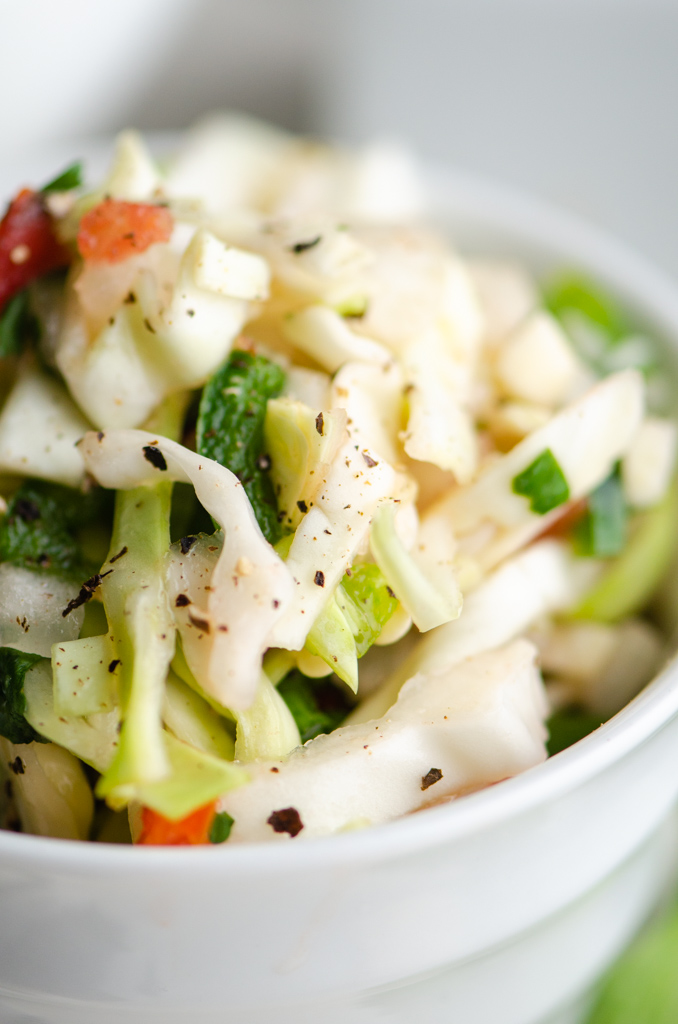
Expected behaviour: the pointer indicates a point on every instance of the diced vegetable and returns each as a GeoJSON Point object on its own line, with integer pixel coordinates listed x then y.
{"type": "Point", "coordinates": [601, 533]}
{"type": "Point", "coordinates": [28, 244]}
{"type": "Point", "coordinates": [114, 230]}
{"type": "Point", "coordinates": [193, 830]}
{"type": "Point", "coordinates": [542, 483]}
{"type": "Point", "coordinates": [231, 429]}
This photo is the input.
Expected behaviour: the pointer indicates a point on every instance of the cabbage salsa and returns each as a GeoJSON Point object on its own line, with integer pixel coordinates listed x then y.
{"type": "Point", "coordinates": [306, 522]}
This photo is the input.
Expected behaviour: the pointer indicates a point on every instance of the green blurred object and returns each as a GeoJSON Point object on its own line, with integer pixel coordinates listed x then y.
{"type": "Point", "coordinates": [574, 294]}
{"type": "Point", "coordinates": [602, 531]}
{"type": "Point", "coordinates": [542, 483]}
{"type": "Point", "coordinates": [569, 725]}
{"type": "Point", "coordinates": [642, 988]}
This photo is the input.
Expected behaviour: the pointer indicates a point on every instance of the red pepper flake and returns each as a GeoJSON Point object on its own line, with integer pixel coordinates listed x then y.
{"type": "Point", "coordinates": [29, 247]}
{"type": "Point", "coordinates": [182, 600]}
{"type": "Point", "coordinates": [432, 776]}
{"type": "Point", "coordinates": [155, 457]}
{"type": "Point", "coordinates": [115, 230]}
{"type": "Point", "coordinates": [199, 622]}
{"type": "Point", "coordinates": [286, 820]}
{"type": "Point", "coordinates": [319, 578]}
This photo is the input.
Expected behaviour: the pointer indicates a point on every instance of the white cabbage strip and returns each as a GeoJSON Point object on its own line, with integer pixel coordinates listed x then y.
{"type": "Point", "coordinates": [328, 537]}
{"type": "Point", "coordinates": [251, 587]}
{"type": "Point", "coordinates": [450, 731]}
{"type": "Point", "coordinates": [31, 610]}
{"type": "Point", "coordinates": [586, 439]}
{"type": "Point", "coordinates": [544, 579]}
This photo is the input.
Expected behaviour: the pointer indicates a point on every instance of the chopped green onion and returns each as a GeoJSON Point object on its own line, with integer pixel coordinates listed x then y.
{"type": "Point", "coordinates": [542, 483]}
{"type": "Point", "coordinates": [68, 179]}
{"type": "Point", "coordinates": [221, 827]}
{"type": "Point", "coordinates": [602, 531]}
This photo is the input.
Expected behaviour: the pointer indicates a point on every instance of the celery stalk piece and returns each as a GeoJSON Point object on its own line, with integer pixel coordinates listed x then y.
{"type": "Point", "coordinates": [93, 739]}
{"type": "Point", "coordinates": [140, 620]}
{"type": "Point", "coordinates": [267, 730]}
{"type": "Point", "coordinates": [632, 578]}
{"type": "Point", "coordinates": [84, 674]}
{"type": "Point", "coordinates": [181, 669]}
{"type": "Point", "coordinates": [195, 778]}
{"type": "Point", "coordinates": [191, 719]}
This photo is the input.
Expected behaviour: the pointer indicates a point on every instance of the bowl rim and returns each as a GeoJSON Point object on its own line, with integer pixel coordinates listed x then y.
{"type": "Point", "coordinates": [566, 236]}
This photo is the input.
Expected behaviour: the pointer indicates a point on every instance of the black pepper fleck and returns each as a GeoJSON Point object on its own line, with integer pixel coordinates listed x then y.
{"type": "Point", "coordinates": [186, 543]}
{"type": "Point", "coordinates": [286, 820]}
{"type": "Point", "coordinates": [320, 424]}
{"type": "Point", "coordinates": [432, 776]}
{"type": "Point", "coordinates": [112, 665]}
{"type": "Point", "coordinates": [319, 578]}
{"type": "Point", "coordinates": [155, 457]}
{"type": "Point", "coordinates": [299, 247]}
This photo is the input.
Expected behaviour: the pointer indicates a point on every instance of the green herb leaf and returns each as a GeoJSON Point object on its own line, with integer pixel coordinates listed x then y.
{"type": "Point", "coordinates": [574, 294]}
{"type": "Point", "coordinates": [372, 603]}
{"type": "Point", "coordinates": [542, 483]}
{"type": "Point", "coordinates": [221, 827]}
{"type": "Point", "coordinates": [68, 179]}
{"type": "Point", "coordinates": [18, 325]}
{"type": "Point", "coordinates": [642, 988]}
{"type": "Point", "coordinates": [231, 429]}
{"type": "Point", "coordinates": [602, 531]}
{"type": "Point", "coordinates": [40, 530]}
{"type": "Point", "coordinates": [568, 726]}
{"type": "Point", "coordinates": [13, 668]}
{"type": "Point", "coordinates": [317, 705]}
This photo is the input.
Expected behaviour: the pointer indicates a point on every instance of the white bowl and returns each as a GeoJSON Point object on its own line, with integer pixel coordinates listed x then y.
{"type": "Point", "coordinates": [500, 908]}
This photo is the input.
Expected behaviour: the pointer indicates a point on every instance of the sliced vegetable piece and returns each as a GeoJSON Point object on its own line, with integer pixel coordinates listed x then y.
{"type": "Point", "coordinates": [251, 586]}
{"type": "Point", "coordinates": [372, 603]}
{"type": "Point", "coordinates": [191, 719]}
{"type": "Point", "coordinates": [428, 604]}
{"type": "Point", "coordinates": [332, 639]}
{"type": "Point", "coordinates": [39, 427]}
{"type": "Point", "coordinates": [193, 830]}
{"type": "Point", "coordinates": [28, 244]}
{"type": "Point", "coordinates": [13, 668]}
{"type": "Point", "coordinates": [231, 429]}
{"type": "Point", "coordinates": [17, 325]}
{"type": "Point", "coordinates": [50, 790]}
{"type": "Point", "coordinates": [93, 739]}
{"type": "Point", "coordinates": [266, 730]}
{"type": "Point", "coordinates": [32, 606]}
{"type": "Point", "coordinates": [69, 178]}
{"type": "Point", "coordinates": [469, 726]}
{"type": "Point", "coordinates": [114, 230]}
{"type": "Point", "coordinates": [196, 778]}
{"type": "Point", "coordinates": [301, 442]}
{"type": "Point", "coordinates": [40, 530]}
{"type": "Point", "coordinates": [601, 533]}
{"type": "Point", "coordinates": [85, 675]}
{"type": "Point", "coordinates": [542, 483]}
{"type": "Point", "coordinates": [635, 574]}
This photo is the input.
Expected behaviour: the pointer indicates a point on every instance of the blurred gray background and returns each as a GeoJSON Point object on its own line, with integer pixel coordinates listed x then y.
{"type": "Point", "coordinates": [576, 100]}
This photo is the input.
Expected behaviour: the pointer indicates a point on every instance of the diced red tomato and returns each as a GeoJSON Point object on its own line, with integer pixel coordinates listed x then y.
{"type": "Point", "coordinates": [28, 244]}
{"type": "Point", "coordinates": [115, 230]}
{"type": "Point", "coordinates": [193, 830]}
